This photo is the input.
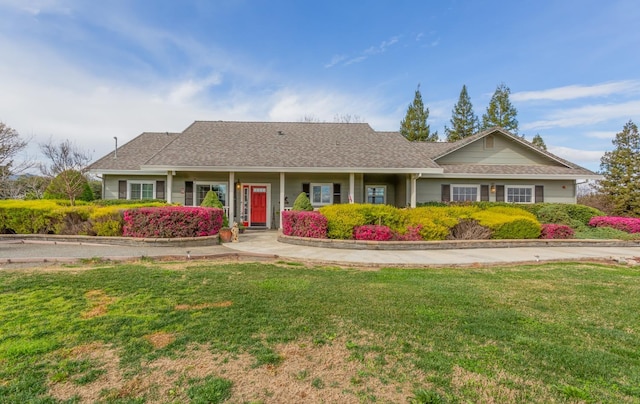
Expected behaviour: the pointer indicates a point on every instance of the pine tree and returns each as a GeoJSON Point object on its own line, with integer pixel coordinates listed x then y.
{"type": "Point", "coordinates": [500, 111]}
{"type": "Point", "coordinates": [621, 170]}
{"type": "Point", "coordinates": [538, 142]}
{"type": "Point", "coordinates": [414, 126]}
{"type": "Point", "coordinates": [463, 121]}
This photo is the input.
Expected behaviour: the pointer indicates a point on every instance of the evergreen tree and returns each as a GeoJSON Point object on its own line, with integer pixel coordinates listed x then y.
{"type": "Point", "coordinates": [302, 202]}
{"type": "Point", "coordinates": [414, 126]}
{"type": "Point", "coordinates": [500, 111]}
{"type": "Point", "coordinates": [621, 170]}
{"type": "Point", "coordinates": [463, 121]}
{"type": "Point", "coordinates": [538, 142]}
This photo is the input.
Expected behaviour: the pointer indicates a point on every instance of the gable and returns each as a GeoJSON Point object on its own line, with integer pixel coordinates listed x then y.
{"type": "Point", "coordinates": [496, 149]}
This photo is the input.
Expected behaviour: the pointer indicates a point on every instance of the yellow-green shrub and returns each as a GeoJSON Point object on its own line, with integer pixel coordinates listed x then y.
{"type": "Point", "coordinates": [508, 224]}
{"type": "Point", "coordinates": [432, 221]}
{"type": "Point", "coordinates": [107, 221]}
{"type": "Point", "coordinates": [341, 219]}
{"type": "Point", "coordinates": [30, 217]}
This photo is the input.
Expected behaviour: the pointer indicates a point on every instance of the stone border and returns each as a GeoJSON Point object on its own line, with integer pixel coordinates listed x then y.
{"type": "Point", "coordinates": [450, 244]}
{"type": "Point", "coordinates": [124, 241]}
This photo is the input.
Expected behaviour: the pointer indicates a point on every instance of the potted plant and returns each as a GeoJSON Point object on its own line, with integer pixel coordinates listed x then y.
{"type": "Point", "coordinates": [241, 227]}
{"type": "Point", "coordinates": [225, 234]}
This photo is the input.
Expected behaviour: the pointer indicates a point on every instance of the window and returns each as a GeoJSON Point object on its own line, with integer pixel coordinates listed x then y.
{"type": "Point", "coordinates": [203, 187]}
{"type": "Point", "coordinates": [141, 189]}
{"type": "Point", "coordinates": [321, 194]}
{"type": "Point", "coordinates": [520, 194]}
{"type": "Point", "coordinates": [376, 194]}
{"type": "Point", "coordinates": [462, 193]}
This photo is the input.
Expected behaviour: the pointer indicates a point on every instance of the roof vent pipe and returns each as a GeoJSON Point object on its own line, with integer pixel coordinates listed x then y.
{"type": "Point", "coordinates": [280, 133]}
{"type": "Point", "coordinates": [115, 153]}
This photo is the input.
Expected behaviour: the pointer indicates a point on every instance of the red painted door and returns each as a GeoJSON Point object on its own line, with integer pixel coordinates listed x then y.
{"type": "Point", "coordinates": [259, 206]}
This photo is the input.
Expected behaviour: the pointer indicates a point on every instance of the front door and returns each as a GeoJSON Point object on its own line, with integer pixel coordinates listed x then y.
{"type": "Point", "coordinates": [258, 205]}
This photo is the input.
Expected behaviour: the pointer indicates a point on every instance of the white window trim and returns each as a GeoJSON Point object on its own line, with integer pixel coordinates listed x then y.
{"type": "Point", "coordinates": [197, 183]}
{"type": "Point", "coordinates": [141, 182]}
{"type": "Point", "coordinates": [366, 195]}
{"type": "Point", "coordinates": [531, 187]}
{"type": "Point", "coordinates": [321, 184]}
{"type": "Point", "coordinates": [477, 186]}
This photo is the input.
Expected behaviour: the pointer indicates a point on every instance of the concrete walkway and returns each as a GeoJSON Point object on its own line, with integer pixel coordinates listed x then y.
{"type": "Point", "coordinates": [264, 244]}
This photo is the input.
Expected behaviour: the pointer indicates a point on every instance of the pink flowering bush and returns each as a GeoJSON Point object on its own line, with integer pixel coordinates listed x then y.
{"type": "Point", "coordinates": [412, 234]}
{"type": "Point", "coordinates": [373, 232]}
{"type": "Point", "coordinates": [304, 224]}
{"type": "Point", "coordinates": [172, 221]}
{"type": "Point", "coordinates": [556, 231]}
{"type": "Point", "coordinates": [626, 224]}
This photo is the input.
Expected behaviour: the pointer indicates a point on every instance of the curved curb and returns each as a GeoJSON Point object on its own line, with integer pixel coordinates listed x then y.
{"type": "Point", "coordinates": [123, 241]}
{"type": "Point", "coordinates": [450, 244]}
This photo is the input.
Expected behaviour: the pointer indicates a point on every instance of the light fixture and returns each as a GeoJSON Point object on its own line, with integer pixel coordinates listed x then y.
{"type": "Point", "coordinates": [238, 184]}
{"type": "Point", "coordinates": [493, 188]}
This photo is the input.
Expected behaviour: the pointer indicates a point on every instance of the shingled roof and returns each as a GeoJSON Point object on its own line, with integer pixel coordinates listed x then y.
{"type": "Point", "coordinates": [301, 146]}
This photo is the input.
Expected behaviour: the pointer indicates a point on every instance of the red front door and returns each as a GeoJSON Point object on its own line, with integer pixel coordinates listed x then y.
{"type": "Point", "coordinates": [258, 206]}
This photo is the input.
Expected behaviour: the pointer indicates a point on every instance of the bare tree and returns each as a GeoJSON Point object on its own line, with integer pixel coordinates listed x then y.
{"type": "Point", "coordinates": [10, 146]}
{"type": "Point", "coordinates": [66, 167]}
{"type": "Point", "coordinates": [347, 118]}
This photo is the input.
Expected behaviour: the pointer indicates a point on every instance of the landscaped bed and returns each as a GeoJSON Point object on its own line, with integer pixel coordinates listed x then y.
{"type": "Point", "coordinates": [285, 333]}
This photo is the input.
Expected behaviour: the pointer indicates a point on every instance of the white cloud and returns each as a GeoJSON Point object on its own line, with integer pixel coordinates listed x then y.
{"type": "Point", "coordinates": [364, 55]}
{"type": "Point", "coordinates": [587, 115]}
{"type": "Point", "coordinates": [587, 158]}
{"type": "Point", "coordinates": [578, 91]}
{"type": "Point", "coordinates": [601, 134]}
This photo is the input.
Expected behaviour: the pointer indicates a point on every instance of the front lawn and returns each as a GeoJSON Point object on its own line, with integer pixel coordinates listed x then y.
{"type": "Point", "coordinates": [273, 333]}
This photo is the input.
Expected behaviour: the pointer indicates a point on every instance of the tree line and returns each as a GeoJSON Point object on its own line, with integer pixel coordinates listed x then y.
{"type": "Point", "coordinates": [63, 175]}
{"type": "Point", "coordinates": [464, 121]}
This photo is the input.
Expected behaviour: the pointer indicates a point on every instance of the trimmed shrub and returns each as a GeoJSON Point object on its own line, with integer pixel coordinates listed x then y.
{"type": "Point", "coordinates": [172, 221]}
{"type": "Point", "coordinates": [373, 232]}
{"type": "Point", "coordinates": [31, 217]}
{"type": "Point", "coordinates": [302, 203]}
{"type": "Point", "coordinates": [211, 200]}
{"type": "Point", "coordinates": [507, 223]}
{"type": "Point", "coordinates": [626, 224]}
{"type": "Point", "coordinates": [556, 231]}
{"type": "Point", "coordinates": [432, 223]}
{"type": "Point", "coordinates": [411, 234]}
{"type": "Point", "coordinates": [341, 220]}
{"type": "Point", "coordinates": [304, 224]}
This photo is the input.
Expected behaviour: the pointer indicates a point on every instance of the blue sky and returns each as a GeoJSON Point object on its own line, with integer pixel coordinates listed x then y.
{"type": "Point", "coordinates": [91, 70]}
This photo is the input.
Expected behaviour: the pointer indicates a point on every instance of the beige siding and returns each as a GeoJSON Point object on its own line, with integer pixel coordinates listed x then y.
{"type": "Point", "coordinates": [504, 151]}
{"type": "Point", "coordinates": [562, 191]}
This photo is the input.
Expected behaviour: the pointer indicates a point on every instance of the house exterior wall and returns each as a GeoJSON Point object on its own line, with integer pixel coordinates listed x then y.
{"type": "Point", "coordinates": [504, 151]}
{"type": "Point", "coordinates": [555, 191]}
{"type": "Point", "coordinates": [110, 183]}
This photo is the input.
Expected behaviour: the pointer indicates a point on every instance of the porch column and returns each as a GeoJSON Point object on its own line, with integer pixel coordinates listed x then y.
{"type": "Point", "coordinates": [169, 186]}
{"type": "Point", "coordinates": [282, 196]}
{"type": "Point", "coordinates": [352, 187]}
{"type": "Point", "coordinates": [232, 193]}
{"type": "Point", "coordinates": [414, 182]}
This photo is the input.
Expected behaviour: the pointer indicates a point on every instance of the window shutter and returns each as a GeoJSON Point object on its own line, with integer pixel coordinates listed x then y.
{"type": "Point", "coordinates": [539, 193]}
{"type": "Point", "coordinates": [160, 190]}
{"type": "Point", "coordinates": [188, 193]}
{"type": "Point", "coordinates": [122, 189]}
{"type": "Point", "coordinates": [446, 193]}
{"type": "Point", "coordinates": [306, 188]}
{"type": "Point", "coordinates": [336, 194]}
{"type": "Point", "coordinates": [484, 192]}
{"type": "Point", "coordinates": [499, 193]}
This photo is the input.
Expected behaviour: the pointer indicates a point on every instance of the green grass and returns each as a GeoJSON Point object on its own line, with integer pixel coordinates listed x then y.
{"type": "Point", "coordinates": [562, 332]}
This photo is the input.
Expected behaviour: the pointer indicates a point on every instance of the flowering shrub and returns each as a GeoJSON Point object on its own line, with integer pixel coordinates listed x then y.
{"type": "Point", "coordinates": [172, 221]}
{"type": "Point", "coordinates": [373, 232]}
{"type": "Point", "coordinates": [626, 224]}
{"type": "Point", "coordinates": [300, 223]}
{"type": "Point", "coordinates": [556, 231]}
{"type": "Point", "coordinates": [412, 234]}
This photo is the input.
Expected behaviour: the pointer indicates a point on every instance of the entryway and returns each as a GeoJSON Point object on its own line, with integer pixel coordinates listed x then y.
{"type": "Point", "coordinates": [255, 205]}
